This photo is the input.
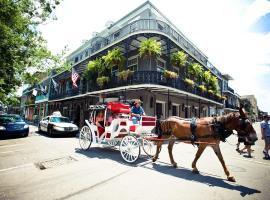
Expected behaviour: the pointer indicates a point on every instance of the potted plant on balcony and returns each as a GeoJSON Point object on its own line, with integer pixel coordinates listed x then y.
{"type": "Point", "coordinates": [196, 71]}
{"type": "Point", "coordinates": [170, 74]}
{"type": "Point", "coordinates": [206, 76]}
{"type": "Point", "coordinates": [114, 58]}
{"type": "Point", "coordinates": [125, 74]}
{"type": "Point", "coordinates": [189, 82]}
{"type": "Point", "coordinates": [179, 59]}
{"type": "Point", "coordinates": [202, 88]}
{"type": "Point", "coordinates": [211, 92]}
{"type": "Point", "coordinates": [150, 48]}
{"type": "Point", "coordinates": [223, 97]}
{"type": "Point", "coordinates": [101, 81]}
{"type": "Point", "coordinates": [93, 69]}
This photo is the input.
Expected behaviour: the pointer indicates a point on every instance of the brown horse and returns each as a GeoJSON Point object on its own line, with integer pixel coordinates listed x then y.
{"type": "Point", "coordinates": [209, 131]}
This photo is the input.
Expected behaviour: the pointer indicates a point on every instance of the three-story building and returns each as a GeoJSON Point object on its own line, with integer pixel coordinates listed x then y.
{"type": "Point", "coordinates": [161, 95]}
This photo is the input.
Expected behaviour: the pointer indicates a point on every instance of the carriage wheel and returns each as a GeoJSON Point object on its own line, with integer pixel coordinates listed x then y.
{"type": "Point", "coordinates": [149, 147]}
{"type": "Point", "coordinates": [130, 149]}
{"type": "Point", "coordinates": [112, 142]}
{"type": "Point", "coordinates": [85, 138]}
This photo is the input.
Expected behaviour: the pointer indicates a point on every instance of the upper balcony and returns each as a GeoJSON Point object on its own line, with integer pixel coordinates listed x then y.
{"type": "Point", "coordinates": [231, 106]}
{"type": "Point", "coordinates": [229, 89]}
{"type": "Point", "coordinates": [98, 43]}
{"type": "Point", "coordinates": [139, 77]}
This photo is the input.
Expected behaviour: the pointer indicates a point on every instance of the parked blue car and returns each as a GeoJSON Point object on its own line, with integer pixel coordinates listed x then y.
{"type": "Point", "coordinates": [11, 124]}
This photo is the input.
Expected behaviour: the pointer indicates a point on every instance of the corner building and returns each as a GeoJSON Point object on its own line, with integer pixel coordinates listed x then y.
{"type": "Point", "coordinates": [160, 95]}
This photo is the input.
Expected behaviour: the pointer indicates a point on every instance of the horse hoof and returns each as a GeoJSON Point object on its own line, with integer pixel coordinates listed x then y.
{"type": "Point", "coordinates": [154, 159]}
{"type": "Point", "coordinates": [174, 165]}
{"type": "Point", "coordinates": [231, 179]}
{"type": "Point", "coordinates": [195, 171]}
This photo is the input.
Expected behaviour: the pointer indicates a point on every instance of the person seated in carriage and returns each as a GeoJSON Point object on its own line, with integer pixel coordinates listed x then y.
{"type": "Point", "coordinates": [112, 116]}
{"type": "Point", "coordinates": [100, 121]}
{"type": "Point", "coordinates": [137, 111]}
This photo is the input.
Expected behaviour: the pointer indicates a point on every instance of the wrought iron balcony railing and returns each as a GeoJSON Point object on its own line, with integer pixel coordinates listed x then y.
{"type": "Point", "coordinates": [231, 106]}
{"type": "Point", "coordinates": [158, 26]}
{"type": "Point", "coordinates": [139, 77]}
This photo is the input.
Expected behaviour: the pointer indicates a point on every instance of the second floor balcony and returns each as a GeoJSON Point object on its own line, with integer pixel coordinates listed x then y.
{"type": "Point", "coordinates": [138, 77]}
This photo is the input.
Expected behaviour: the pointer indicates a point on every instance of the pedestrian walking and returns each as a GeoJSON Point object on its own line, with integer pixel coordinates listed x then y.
{"type": "Point", "coordinates": [265, 130]}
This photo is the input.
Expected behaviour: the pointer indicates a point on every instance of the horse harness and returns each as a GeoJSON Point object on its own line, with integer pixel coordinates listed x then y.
{"type": "Point", "coordinates": [217, 127]}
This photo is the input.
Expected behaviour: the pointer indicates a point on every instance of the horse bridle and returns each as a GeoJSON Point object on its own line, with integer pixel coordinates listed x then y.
{"type": "Point", "coordinates": [242, 132]}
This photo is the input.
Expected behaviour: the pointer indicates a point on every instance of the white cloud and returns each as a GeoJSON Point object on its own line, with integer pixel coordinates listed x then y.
{"type": "Point", "coordinates": [218, 28]}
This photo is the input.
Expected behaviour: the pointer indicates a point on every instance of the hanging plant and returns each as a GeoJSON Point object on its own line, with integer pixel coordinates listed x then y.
{"type": "Point", "coordinates": [101, 81]}
{"type": "Point", "coordinates": [125, 74]}
{"type": "Point", "coordinates": [189, 82]}
{"type": "Point", "coordinates": [170, 74]}
{"type": "Point", "coordinates": [150, 48]}
{"type": "Point", "coordinates": [202, 88]}
{"type": "Point", "coordinates": [206, 76]}
{"type": "Point", "coordinates": [196, 70]}
{"type": "Point", "coordinates": [224, 97]}
{"type": "Point", "coordinates": [211, 92]}
{"type": "Point", "coordinates": [94, 68]}
{"type": "Point", "coordinates": [179, 59]}
{"type": "Point", "coordinates": [114, 58]}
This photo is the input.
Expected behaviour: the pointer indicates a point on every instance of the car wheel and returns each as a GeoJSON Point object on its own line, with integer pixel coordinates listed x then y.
{"type": "Point", "coordinates": [39, 129]}
{"type": "Point", "coordinates": [25, 134]}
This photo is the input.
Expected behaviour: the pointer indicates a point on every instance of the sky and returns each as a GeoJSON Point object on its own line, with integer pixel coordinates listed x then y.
{"type": "Point", "coordinates": [233, 34]}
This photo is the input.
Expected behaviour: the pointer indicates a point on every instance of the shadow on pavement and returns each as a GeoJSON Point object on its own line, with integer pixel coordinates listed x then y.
{"type": "Point", "coordinates": [111, 153]}
{"type": "Point", "coordinates": [54, 136]}
{"type": "Point", "coordinates": [208, 179]}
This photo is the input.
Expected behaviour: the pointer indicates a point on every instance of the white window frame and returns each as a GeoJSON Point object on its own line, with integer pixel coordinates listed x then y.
{"type": "Point", "coordinates": [163, 103]}
{"type": "Point", "coordinates": [131, 58]}
{"type": "Point", "coordinates": [160, 68]}
{"type": "Point", "coordinates": [177, 108]}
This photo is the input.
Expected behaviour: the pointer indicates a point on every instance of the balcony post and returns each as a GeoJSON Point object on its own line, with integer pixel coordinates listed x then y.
{"type": "Point", "coordinates": [199, 108]}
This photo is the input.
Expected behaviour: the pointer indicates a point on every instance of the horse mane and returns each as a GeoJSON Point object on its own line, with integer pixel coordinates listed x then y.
{"type": "Point", "coordinates": [227, 118]}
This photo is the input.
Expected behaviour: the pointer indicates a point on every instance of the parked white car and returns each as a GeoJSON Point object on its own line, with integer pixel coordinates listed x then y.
{"type": "Point", "coordinates": [56, 124]}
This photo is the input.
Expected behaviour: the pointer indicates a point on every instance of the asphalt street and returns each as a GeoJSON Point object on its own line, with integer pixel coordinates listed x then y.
{"type": "Point", "coordinates": [101, 173]}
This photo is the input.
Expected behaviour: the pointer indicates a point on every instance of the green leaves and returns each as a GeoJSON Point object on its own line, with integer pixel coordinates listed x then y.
{"type": "Point", "coordinates": [94, 69]}
{"type": "Point", "coordinates": [114, 58]}
{"type": "Point", "coordinates": [179, 59]}
{"type": "Point", "coordinates": [21, 44]}
{"type": "Point", "coordinates": [196, 70]}
{"type": "Point", "coordinates": [150, 48]}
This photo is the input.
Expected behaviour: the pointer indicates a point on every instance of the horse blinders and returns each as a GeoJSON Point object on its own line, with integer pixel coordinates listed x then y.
{"type": "Point", "coordinates": [246, 130]}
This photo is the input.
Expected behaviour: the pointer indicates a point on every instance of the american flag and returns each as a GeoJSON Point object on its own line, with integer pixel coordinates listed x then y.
{"type": "Point", "coordinates": [55, 85]}
{"type": "Point", "coordinates": [74, 77]}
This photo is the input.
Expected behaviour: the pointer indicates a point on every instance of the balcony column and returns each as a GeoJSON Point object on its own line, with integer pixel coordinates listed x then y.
{"type": "Point", "coordinates": [168, 53]}
{"type": "Point", "coordinates": [199, 108]}
{"type": "Point", "coordinates": [186, 108]}
{"type": "Point", "coordinates": [81, 86]}
{"type": "Point", "coordinates": [127, 49]}
{"type": "Point", "coordinates": [168, 107]}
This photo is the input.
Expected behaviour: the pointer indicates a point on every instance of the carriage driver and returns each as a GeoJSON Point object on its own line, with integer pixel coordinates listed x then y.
{"type": "Point", "coordinates": [137, 111]}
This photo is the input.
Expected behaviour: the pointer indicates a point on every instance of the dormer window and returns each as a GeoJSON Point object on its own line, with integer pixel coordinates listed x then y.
{"type": "Point", "coordinates": [116, 35]}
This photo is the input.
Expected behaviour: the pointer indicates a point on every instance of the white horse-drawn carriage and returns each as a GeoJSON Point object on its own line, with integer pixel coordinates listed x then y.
{"type": "Point", "coordinates": [119, 129]}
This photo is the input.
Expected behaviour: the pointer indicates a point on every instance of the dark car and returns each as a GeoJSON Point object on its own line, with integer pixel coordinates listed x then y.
{"type": "Point", "coordinates": [13, 125]}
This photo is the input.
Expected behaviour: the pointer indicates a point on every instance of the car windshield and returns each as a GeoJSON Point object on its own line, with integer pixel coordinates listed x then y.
{"type": "Point", "coordinates": [10, 118]}
{"type": "Point", "coordinates": [59, 119]}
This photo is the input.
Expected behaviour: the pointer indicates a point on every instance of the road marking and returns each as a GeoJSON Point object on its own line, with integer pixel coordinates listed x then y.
{"type": "Point", "coordinates": [12, 145]}
{"type": "Point", "coordinates": [16, 167]}
{"type": "Point", "coordinates": [252, 161]}
{"type": "Point", "coordinates": [11, 151]}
